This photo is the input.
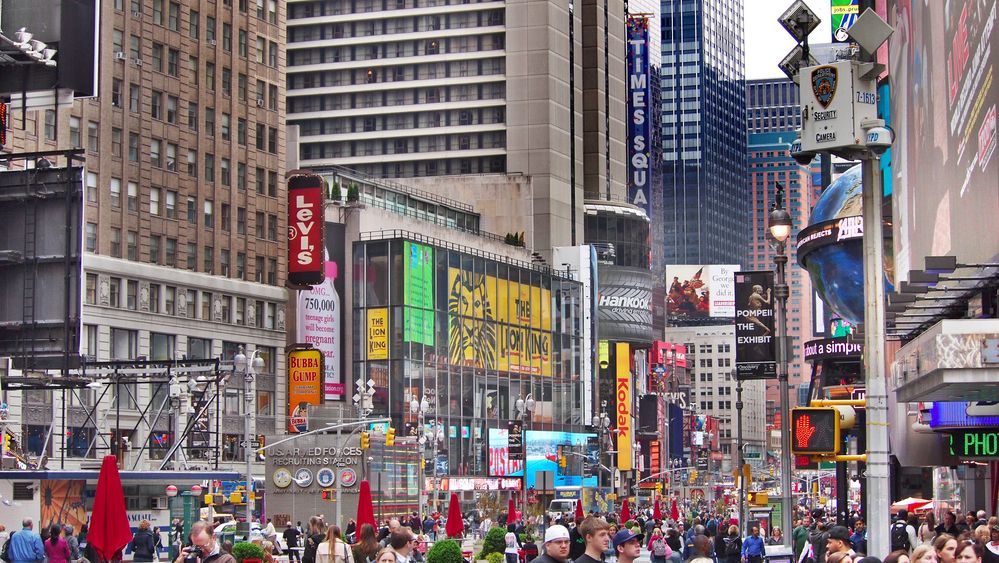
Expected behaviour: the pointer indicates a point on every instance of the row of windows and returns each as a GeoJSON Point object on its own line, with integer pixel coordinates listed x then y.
{"type": "Point", "coordinates": [401, 73]}
{"type": "Point", "coordinates": [415, 96]}
{"type": "Point", "coordinates": [390, 26]}
{"type": "Point", "coordinates": [188, 303]}
{"type": "Point", "coordinates": [299, 10]}
{"type": "Point", "coordinates": [267, 13]}
{"type": "Point", "coordinates": [415, 120]}
{"type": "Point", "coordinates": [436, 143]}
{"type": "Point", "coordinates": [265, 93]}
{"type": "Point", "coordinates": [482, 165]}
{"type": "Point", "coordinates": [397, 49]}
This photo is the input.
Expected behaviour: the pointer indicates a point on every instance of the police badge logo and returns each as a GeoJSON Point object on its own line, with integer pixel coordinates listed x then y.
{"type": "Point", "coordinates": [824, 80]}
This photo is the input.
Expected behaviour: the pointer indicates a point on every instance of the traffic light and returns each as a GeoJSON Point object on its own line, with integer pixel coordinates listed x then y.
{"type": "Point", "coordinates": [236, 497]}
{"type": "Point", "coordinates": [390, 436]}
{"type": "Point", "coordinates": [327, 494]}
{"type": "Point", "coordinates": [365, 440]}
{"type": "Point", "coordinates": [815, 431]}
{"type": "Point", "coordinates": [757, 498]}
{"type": "Point", "coordinates": [562, 462]}
{"type": "Point", "coordinates": [262, 441]}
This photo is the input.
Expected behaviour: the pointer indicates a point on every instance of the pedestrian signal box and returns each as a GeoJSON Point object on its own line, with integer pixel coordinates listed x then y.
{"type": "Point", "coordinates": [756, 498]}
{"type": "Point", "coordinates": [815, 431]}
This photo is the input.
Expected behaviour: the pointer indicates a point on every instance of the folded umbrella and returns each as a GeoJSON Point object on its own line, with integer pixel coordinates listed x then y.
{"type": "Point", "coordinates": [109, 530]}
{"type": "Point", "coordinates": [455, 526]}
{"type": "Point", "coordinates": [365, 507]}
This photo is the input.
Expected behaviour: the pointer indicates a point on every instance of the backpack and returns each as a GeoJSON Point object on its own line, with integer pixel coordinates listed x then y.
{"type": "Point", "coordinates": [899, 536]}
{"type": "Point", "coordinates": [5, 550]}
{"type": "Point", "coordinates": [659, 548]}
{"type": "Point", "coordinates": [732, 546]}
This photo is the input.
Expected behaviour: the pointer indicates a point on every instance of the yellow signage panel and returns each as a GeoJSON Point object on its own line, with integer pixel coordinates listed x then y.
{"type": "Point", "coordinates": [622, 390]}
{"type": "Point", "coordinates": [378, 334]}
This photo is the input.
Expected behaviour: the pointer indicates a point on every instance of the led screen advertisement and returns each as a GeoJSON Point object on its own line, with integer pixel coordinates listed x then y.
{"type": "Point", "coordinates": [944, 95]}
{"type": "Point", "coordinates": [499, 324]}
{"type": "Point", "coordinates": [418, 294]}
{"type": "Point", "coordinates": [700, 292]}
{"type": "Point", "coordinates": [639, 117]}
{"type": "Point", "coordinates": [755, 350]}
{"type": "Point", "coordinates": [543, 448]}
{"type": "Point", "coordinates": [320, 314]}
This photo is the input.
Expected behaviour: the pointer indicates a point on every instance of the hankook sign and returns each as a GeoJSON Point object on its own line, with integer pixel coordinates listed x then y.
{"type": "Point", "coordinates": [625, 304]}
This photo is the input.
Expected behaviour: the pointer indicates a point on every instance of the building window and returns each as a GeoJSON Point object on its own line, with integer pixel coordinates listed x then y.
{"type": "Point", "coordinates": [241, 265]}
{"type": "Point", "coordinates": [192, 210]}
{"type": "Point", "coordinates": [169, 300]}
{"type": "Point", "coordinates": [171, 253]}
{"type": "Point", "coordinates": [116, 242]}
{"type": "Point", "coordinates": [133, 197]}
{"type": "Point", "coordinates": [158, 57]}
{"type": "Point", "coordinates": [192, 256]}
{"type": "Point", "coordinates": [209, 214]}
{"type": "Point", "coordinates": [226, 127]}
{"type": "Point", "coordinates": [272, 227]}
{"type": "Point", "coordinates": [92, 189]}
{"type": "Point", "coordinates": [173, 17]}
{"type": "Point", "coordinates": [194, 25]}
{"type": "Point", "coordinates": [91, 243]}
{"type": "Point", "coordinates": [209, 167]}
{"type": "Point", "coordinates": [50, 124]}
{"type": "Point", "coordinates": [116, 86]}
{"type": "Point", "coordinates": [114, 292]}
{"type": "Point", "coordinates": [116, 142]}
{"type": "Point", "coordinates": [155, 157]}
{"type": "Point", "coordinates": [206, 304]}
{"type": "Point", "coordinates": [74, 131]}
{"type": "Point", "coordinates": [154, 201]}
{"type": "Point", "coordinates": [91, 288]}
{"type": "Point", "coordinates": [226, 217]}
{"type": "Point", "coordinates": [93, 137]}
{"type": "Point", "coordinates": [224, 262]}
{"type": "Point", "coordinates": [132, 245]}
{"type": "Point", "coordinates": [241, 221]}
{"type": "Point", "coordinates": [115, 193]}
{"type": "Point", "coordinates": [134, 95]}
{"type": "Point", "coordinates": [154, 249]}
{"type": "Point", "coordinates": [131, 294]}
{"type": "Point", "coordinates": [192, 163]}
{"type": "Point", "coordinates": [242, 43]}
{"type": "Point", "coordinates": [209, 255]}
{"type": "Point", "coordinates": [171, 205]}
{"type": "Point", "coordinates": [133, 147]}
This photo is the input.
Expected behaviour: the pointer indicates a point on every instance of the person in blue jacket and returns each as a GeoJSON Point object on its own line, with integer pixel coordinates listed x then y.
{"type": "Point", "coordinates": [26, 545]}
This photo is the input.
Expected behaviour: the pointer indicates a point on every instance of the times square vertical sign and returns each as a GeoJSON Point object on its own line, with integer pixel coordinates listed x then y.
{"type": "Point", "coordinates": [639, 117]}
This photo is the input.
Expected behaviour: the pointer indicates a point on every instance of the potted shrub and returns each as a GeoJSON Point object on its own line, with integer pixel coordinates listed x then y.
{"type": "Point", "coordinates": [246, 551]}
{"type": "Point", "coordinates": [495, 542]}
{"type": "Point", "coordinates": [445, 551]}
{"type": "Point", "coordinates": [496, 558]}
{"type": "Point", "coordinates": [335, 193]}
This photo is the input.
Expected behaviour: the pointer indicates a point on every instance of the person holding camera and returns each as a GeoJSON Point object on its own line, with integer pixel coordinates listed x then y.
{"type": "Point", "coordinates": [204, 547]}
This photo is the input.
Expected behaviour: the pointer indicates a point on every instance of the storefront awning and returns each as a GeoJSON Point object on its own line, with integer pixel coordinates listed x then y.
{"type": "Point", "coordinates": [954, 360]}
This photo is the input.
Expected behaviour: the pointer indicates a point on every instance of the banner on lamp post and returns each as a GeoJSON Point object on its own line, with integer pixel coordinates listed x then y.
{"type": "Point", "coordinates": [755, 329]}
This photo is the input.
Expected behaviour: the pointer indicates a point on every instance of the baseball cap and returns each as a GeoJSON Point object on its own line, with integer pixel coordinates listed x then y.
{"type": "Point", "coordinates": [994, 528]}
{"type": "Point", "coordinates": [556, 533]}
{"type": "Point", "coordinates": [839, 533]}
{"type": "Point", "coordinates": [624, 536]}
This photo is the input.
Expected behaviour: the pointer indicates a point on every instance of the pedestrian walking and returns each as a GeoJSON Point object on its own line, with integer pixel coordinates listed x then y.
{"type": "Point", "coordinates": [753, 548]}
{"type": "Point", "coordinates": [56, 548]}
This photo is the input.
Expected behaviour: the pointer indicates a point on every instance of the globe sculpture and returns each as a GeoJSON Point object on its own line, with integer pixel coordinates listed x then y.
{"type": "Point", "coordinates": [831, 247]}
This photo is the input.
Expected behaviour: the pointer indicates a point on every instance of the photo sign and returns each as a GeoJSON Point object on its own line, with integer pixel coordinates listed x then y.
{"type": "Point", "coordinates": [755, 345]}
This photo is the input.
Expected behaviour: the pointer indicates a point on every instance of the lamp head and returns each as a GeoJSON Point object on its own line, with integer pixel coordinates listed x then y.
{"type": "Point", "coordinates": [239, 360]}
{"type": "Point", "coordinates": [780, 219]}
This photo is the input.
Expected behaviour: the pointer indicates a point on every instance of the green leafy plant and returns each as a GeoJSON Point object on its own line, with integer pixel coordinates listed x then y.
{"type": "Point", "coordinates": [335, 193]}
{"type": "Point", "coordinates": [495, 542]}
{"type": "Point", "coordinates": [245, 550]}
{"type": "Point", "coordinates": [353, 194]}
{"type": "Point", "coordinates": [495, 558]}
{"type": "Point", "coordinates": [445, 551]}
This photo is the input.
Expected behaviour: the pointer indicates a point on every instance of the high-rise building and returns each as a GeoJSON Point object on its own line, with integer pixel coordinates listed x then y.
{"type": "Point", "coordinates": [481, 92]}
{"type": "Point", "coordinates": [773, 117]}
{"type": "Point", "coordinates": [703, 132]}
{"type": "Point", "coordinates": [184, 226]}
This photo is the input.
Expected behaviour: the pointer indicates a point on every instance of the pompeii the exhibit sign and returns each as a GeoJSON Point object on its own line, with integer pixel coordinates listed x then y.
{"type": "Point", "coordinates": [639, 116]}
{"type": "Point", "coordinates": [755, 343]}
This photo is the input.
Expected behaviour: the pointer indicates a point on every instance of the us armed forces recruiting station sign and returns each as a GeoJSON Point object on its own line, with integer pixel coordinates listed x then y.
{"type": "Point", "coordinates": [755, 350]}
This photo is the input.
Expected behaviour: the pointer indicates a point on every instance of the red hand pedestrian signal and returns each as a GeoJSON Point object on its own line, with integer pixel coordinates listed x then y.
{"type": "Point", "coordinates": [815, 431]}
{"type": "Point", "coordinates": [803, 431]}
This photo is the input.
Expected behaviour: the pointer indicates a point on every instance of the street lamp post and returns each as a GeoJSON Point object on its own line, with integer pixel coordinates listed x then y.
{"type": "Point", "coordinates": [602, 422]}
{"type": "Point", "coordinates": [780, 230]}
{"type": "Point", "coordinates": [525, 407]}
{"type": "Point", "coordinates": [249, 370]}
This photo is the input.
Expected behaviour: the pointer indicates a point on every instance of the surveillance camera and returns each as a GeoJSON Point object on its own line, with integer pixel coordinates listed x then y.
{"type": "Point", "coordinates": [879, 139]}
{"type": "Point", "coordinates": [801, 157]}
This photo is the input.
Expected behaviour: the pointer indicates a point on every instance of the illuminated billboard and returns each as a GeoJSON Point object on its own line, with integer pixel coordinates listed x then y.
{"type": "Point", "coordinates": [499, 324]}
{"type": "Point", "coordinates": [543, 449]}
{"type": "Point", "coordinates": [944, 97]}
{"type": "Point", "coordinates": [305, 375]}
{"type": "Point", "coordinates": [698, 292]}
{"type": "Point", "coordinates": [639, 116]}
{"type": "Point", "coordinates": [320, 315]}
{"type": "Point", "coordinates": [418, 293]}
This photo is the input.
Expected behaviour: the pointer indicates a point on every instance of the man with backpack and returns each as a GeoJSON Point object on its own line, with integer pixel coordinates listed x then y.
{"type": "Point", "coordinates": [901, 535]}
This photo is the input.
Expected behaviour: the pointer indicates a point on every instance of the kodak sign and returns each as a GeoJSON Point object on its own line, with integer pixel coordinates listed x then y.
{"type": "Point", "coordinates": [622, 391]}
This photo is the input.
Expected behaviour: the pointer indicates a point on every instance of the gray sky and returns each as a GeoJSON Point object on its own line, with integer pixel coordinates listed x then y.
{"type": "Point", "coordinates": [767, 42]}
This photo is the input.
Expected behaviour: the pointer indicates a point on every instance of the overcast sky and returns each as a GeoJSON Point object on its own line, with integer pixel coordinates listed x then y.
{"type": "Point", "coordinates": [767, 42]}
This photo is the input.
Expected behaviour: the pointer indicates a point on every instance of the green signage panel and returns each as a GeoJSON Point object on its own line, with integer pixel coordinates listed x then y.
{"type": "Point", "coordinates": [418, 285]}
{"type": "Point", "coordinates": [981, 443]}
{"type": "Point", "coordinates": [844, 15]}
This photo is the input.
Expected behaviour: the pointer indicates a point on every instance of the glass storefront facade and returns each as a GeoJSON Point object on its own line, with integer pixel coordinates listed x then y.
{"type": "Point", "coordinates": [462, 335]}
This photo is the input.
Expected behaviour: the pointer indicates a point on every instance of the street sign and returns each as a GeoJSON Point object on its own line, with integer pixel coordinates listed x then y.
{"type": "Point", "coordinates": [752, 455]}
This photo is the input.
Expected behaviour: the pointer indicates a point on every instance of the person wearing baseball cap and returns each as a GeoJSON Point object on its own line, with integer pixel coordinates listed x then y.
{"type": "Point", "coordinates": [839, 541]}
{"type": "Point", "coordinates": [627, 545]}
{"type": "Point", "coordinates": [556, 546]}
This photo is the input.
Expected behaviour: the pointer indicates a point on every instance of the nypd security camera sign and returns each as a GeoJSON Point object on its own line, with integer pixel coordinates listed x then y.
{"type": "Point", "coordinates": [835, 101]}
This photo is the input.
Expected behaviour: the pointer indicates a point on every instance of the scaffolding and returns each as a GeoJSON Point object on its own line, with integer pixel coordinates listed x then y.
{"type": "Point", "coordinates": [185, 393]}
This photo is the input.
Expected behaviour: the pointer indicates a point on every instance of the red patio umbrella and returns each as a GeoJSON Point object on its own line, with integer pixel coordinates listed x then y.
{"type": "Point", "coordinates": [365, 508]}
{"type": "Point", "coordinates": [109, 530]}
{"type": "Point", "coordinates": [657, 511]}
{"type": "Point", "coordinates": [455, 526]}
{"type": "Point", "coordinates": [511, 512]}
{"type": "Point", "coordinates": [674, 511]}
{"type": "Point", "coordinates": [625, 511]}
{"type": "Point", "coordinates": [579, 510]}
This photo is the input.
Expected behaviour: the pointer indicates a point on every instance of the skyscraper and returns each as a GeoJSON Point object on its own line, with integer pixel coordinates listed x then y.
{"type": "Point", "coordinates": [482, 92]}
{"type": "Point", "coordinates": [773, 117]}
{"type": "Point", "coordinates": [184, 220]}
{"type": "Point", "coordinates": [703, 132]}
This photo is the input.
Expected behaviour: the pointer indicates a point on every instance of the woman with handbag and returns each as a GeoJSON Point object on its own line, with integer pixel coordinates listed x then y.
{"type": "Point", "coordinates": [334, 549]}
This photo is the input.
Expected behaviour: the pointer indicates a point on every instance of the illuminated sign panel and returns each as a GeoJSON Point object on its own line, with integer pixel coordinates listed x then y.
{"type": "Point", "coordinates": [981, 444]}
{"type": "Point", "coordinates": [815, 431]}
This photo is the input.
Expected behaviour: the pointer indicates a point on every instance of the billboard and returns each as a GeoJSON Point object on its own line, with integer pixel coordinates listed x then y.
{"type": "Point", "coordinates": [944, 97]}
{"type": "Point", "coordinates": [543, 448]}
{"type": "Point", "coordinates": [625, 311]}
{"type": "Point", "coordinates": [622, 393]}
{"type": "Point", "coordinates": [499, 324]}
{"type": "Point", "coordinates": [501, 461]}
{"type": "Point", "coordinates": [639, 116]}
{"type": "Point", "coordinates": [844, 15]}
{"type": "Point", "coordinates": [305, 375]}
{"type": "Point", "coordinates": [305, 228]}
{"type": "Point", "coordinates": [320, 314]}
{"type": "Point", "coordinates": [377, 334]}
{"type": "Point", "coordinates": [418, 293]}
{"type": "Point", "coordinates": [755, 350]}
{"type": "Point", "coordinates": [700, 292]}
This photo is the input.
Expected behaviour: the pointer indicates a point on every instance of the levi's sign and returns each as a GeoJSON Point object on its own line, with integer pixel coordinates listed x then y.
{"type": "Point", "coordinates": [305, 229]}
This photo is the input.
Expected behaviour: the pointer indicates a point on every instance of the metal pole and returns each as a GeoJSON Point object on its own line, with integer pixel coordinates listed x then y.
{"type": "Point", "coordinates": [782, 292]}
{"type": "Point", "coordinates": [874, 360]}
{"type": "Point", "coordinates": [248, 397]}
{"type": "Point", "coordinates": [742, 462]}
